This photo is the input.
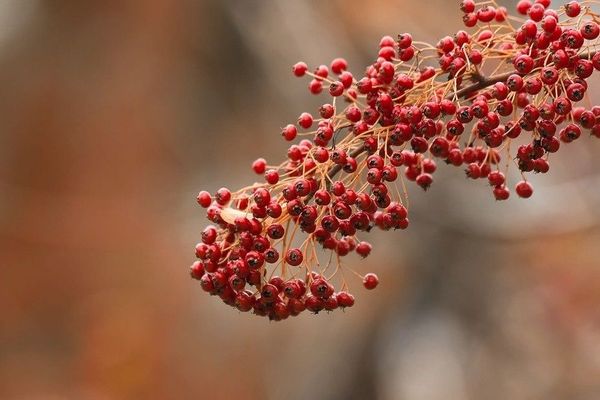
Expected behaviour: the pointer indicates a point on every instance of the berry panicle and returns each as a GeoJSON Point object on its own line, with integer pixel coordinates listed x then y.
{"type": "Point", "coordinates": [505, 94]}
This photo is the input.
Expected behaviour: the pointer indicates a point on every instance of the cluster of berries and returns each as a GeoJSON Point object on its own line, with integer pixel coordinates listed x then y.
{"type": "Point", "coordinates": [276, 247]}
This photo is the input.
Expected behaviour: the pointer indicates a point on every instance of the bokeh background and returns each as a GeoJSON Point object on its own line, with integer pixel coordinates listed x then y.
{"type": "Point", "coordinates": [113, 114]}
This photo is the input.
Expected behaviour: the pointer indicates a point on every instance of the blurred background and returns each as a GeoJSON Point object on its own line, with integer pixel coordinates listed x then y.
{"type": "Point", "coordinates": [114, 114]}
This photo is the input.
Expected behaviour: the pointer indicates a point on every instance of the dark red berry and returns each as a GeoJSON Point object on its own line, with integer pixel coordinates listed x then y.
{"type": "Point", "coordinates": [294, 257]}
{"type": "Point", "coordinates": [524, 189]}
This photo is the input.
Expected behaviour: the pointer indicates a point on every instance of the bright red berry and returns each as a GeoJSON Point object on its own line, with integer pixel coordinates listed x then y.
{"type": "Point", "coordinates": [299, 68]}
{"type": "Point", "coordinates": [259, 166]}
{"type": "Point", "coordinates": [467, 6]}
{"type": "Point", "coordinates": [223, 196]}
{"type": "Point", "coordinates": [364, 249]}
{"type": "Point", "coordinates": [339, 65]}
{"type": "Point", "coordinates": [572, 9]}
{"type": "Point", "coordinates": [289, 132]}
{"type": "Point", "coordinates": [501, 192]}
{"type": "Point", "coordinates": [204, 199]}
{"type": "Point", "coordinates": [345, 299]}
{"type": "Point", "coordinates": [496, 178]}
{"type": "Point", "coordinates": [272, 176]}
{"type": "Point", "coordinates": [523, 6]}
{"type": "Point", "coordinates": [370, 281]}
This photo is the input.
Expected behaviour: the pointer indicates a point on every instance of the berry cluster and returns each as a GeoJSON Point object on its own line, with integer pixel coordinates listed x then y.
{"type": "Point", "coordinates": [276, 247]}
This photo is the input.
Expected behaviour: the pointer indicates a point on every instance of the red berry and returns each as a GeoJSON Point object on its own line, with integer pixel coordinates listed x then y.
{"type": "Point", "coordinates": [339, 65]}
{"type": "Point", "coordinates": [326, 111]}
{"type": "Point", "coordinates": [314, 304]}
{"type": "Point", "coordinates": [387, 53]}
{"type": "Point", "coordinates": [272, 176]}
{"type": "Point", "coordinates": [269, 293]}
{"type": "Point", "coordinates": [305, 120]}
{"type": "Point", "coordinates": [315, 86]}
{"type": "Point", "coordinates": [524, 189]}
{"type": "Point", "coordinates": [590, 30]}
{"type": "Point", "coordinates": [467, 6]}
{"type": "Point", "coordinates": [209, 235]}
{"type": "Point", "coordinates": [473, 170]}
{"type": "Point", "coordinates": [322, 197]}
{"type": "Point", "coordinates": [496, 178]}
{"type": "Point", "coordinates": [204, 199]}
{"type": "Point", "coordinates": [206, 283]}
{"type": "Point", "coordinates": [501, 192]}
{"type": "Point", "coordinates": [470, 20]}
{"type": "Point", "coordinates": [223, 196]}
{"type": "Point", "coordinates": [404, 40]}
{"type": "Point", "coordinates": [259, 166]}
{"type": "Point", "coordinates": [541, 165]}
{"type": "Point", "coordinates": [300, 68]}
{"type": "Point", "coordinates": [322, 72]}
{"type": "Point", "coordinates": [370, 281]}
{"type": "Point", "coordinates": [254, 259]}
{"type": "Point", "coordinates": [572, 9]}
{"type": "Point", "coordinates": [523, 64]}
{"type": "Point", "coordinates": [345, 299]}
{"type": "Point", "coordinates": [346, 78]}
{"type": "Point", "coordinates": [575, 91]}
{"type": "Point", "coordinates": [364, 249]}
{"type": "Point", "coordinates": [262, 197]}
{"type": "Point", "coordinates": [486, 14]}
{"type": "Point", "coordinates": [424, 180]}
{"type": "Point", "coordinates": [549, 24]}
{"type": "Point", "coordinates": [386, 41]}
{"type": "Point", "coordinates": [197, 270]}
{"type": "Point", "coordinates": [523, 6]}
{"type": "Point", "coordinates": [321, 288]}
{"type": "Point", "coordinates": [336, 89]}
{"type": "Point", "coordinates": [331, 303]}
{"type": "Point", "coordinates": [289, 132]}
{"type": "Point", "coordinates": [536, 12]}
{"type": "Point", "coordinates": [274, 210]}
{"type": "Point", "coordinates": [236, 283]}
{"type": "Point", "coordinates": [294, 257]}
{"type": "Point", "coordinates": [244, 301]}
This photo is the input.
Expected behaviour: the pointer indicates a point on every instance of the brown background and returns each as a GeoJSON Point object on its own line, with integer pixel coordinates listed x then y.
{"type": "Point", "coordinates": [113, 114]}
